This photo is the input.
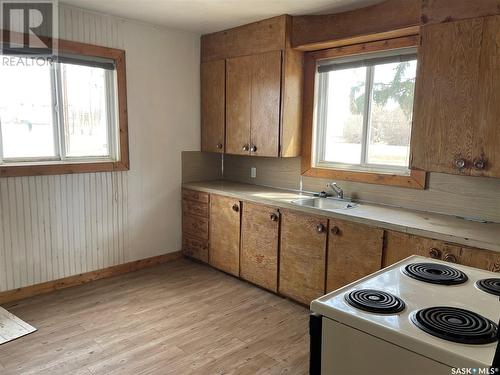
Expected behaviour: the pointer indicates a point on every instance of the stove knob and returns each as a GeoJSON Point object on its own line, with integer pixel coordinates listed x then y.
{"type": "Point", "coordinates": [450, 258]}
{"type": "Point", "coordinates": [435, 253]}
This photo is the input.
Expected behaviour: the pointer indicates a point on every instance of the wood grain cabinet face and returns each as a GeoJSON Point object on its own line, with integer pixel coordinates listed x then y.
{"type": "Point", "coordinates": [259, 245]}
{"type": "Point", "coordinates": [224, 252]}
{"type": "Point", "coordinates": [253, 104]}
{"type": "Point", "coordinates": [401, 245]}
{"type": "Point", "coordinates": [195, 224]}
{"type": "Point", "coordinates": [354, 251]}
{"type": "Point", "coordinates": [455, 127]}
{"type": "Point", "coordinates": [213, 91]}
{"type": "Point", "coordinates": [302, 256]}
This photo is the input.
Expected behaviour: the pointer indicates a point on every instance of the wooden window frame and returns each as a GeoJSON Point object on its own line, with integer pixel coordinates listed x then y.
{"type": "Point", "coordinates": [57, 168]}
{"type": "Point", "coordinates": [416, 178]}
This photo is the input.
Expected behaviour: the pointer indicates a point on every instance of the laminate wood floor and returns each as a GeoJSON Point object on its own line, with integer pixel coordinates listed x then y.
{"type": "Point", "coordinates": [177, 318]}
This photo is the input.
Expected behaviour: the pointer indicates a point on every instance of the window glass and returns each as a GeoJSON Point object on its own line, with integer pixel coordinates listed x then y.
{"type": "Point", "coordinates": [364, 111]}
{"type": "Point", "coordinates": [344, 130]}
{"type": "Point", "coordinates": [391, 113]}
{"type": "Point", "coordinates": [26, 110]}
{"type": "Point", "coordinates": [84, 110]}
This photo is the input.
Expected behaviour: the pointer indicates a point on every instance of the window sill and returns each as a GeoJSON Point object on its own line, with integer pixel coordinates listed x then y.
{"type": "Point", "coordinates": [415, 180]}
{"type": "Point", "coordinates": [58, 169]}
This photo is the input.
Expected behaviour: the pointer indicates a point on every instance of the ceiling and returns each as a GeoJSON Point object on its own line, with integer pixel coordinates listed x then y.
{"type": "Point", "coordinates": [205, 16]}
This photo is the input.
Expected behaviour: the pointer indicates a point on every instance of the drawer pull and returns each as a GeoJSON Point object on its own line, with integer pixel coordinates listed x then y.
{"type": "Point", "coordinates": [435, 253]}
{"type": "Point", "coordinates": [236, 207]}
{"type": "Point", "coordinates": [479, 164]}
{"type": "Point", "coordinates": [335, 230]}
{"type": "Point", "coordinates": [320, 228]}
{"type": "Point", "coordinates": [450, 258]}
{"type": "Point", "coordinates": [274, 217]}
{"type": "Point", "coordinates": [460, 163]}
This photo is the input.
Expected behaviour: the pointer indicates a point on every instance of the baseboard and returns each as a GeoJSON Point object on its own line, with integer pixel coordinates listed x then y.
{"type": "Point", "coordinates": [83, 278]}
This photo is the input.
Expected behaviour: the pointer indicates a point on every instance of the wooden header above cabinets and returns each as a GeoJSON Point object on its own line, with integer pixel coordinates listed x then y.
{"type": "Point", "coordinates": [388, 19]}
{"type": "Point", "coordinates": [272, 34]}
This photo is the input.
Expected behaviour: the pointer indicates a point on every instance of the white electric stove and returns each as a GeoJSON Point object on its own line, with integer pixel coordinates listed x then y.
{"type": "Point", "coordinates": [418, 316]}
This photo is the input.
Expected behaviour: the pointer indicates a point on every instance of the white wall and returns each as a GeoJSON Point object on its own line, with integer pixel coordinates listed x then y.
{"type": "Point", "coordinates": [57, 226]}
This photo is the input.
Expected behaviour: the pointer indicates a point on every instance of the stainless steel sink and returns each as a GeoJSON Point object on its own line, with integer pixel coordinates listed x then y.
{"type": "Point", "coordinates": [330, 204]}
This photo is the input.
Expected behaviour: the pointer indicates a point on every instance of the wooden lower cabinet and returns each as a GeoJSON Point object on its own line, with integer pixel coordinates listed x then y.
{"type": "Point", "coordinates": [354, 251]}
{"type": "Point", "coordinates": [259, 245]}
{"type": "Point", "coordinates": [195, 224]}
{"type": "Point", "coordinates": [302, 256]}
{"type": "Point", "coordinates": [401, 245]}
{"type": "Point", "coordinates": [224, 252]}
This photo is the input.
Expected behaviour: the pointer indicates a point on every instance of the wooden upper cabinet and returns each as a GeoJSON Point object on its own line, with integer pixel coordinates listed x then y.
{"type": "Point", "coordinates": [224, 250]}
{"type": "Point", "coordinates": [253, 104]}
{"type": "Point", "coordinates": [354, 251]}
{"type": "Point", "coordinates": [259, 245]}
{"type": "Point", "coordinates": [265, 112]}
{"type": "Point", "coordinates": [486, 139]}
{"type": "Point", "coordinates": [302, 256]}
{"type": "Point", "coordinates": [238, 105]}
{"type": "Point", "coordinates": [213, 97]}
{"type": "Point", "coordinates": [456, 113]}
{"type": "Point", "coordinates": [264, 81]}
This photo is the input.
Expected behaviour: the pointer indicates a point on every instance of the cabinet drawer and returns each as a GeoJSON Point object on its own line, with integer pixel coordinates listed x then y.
{"type": "Point", "coordinates": [194, 248]}
{"type": "Point", "coordinates": [195, 195]}
{"type": "Point", "coordinates": [194, 208]}
{"type": "Point", "coordinates": [195, 226]}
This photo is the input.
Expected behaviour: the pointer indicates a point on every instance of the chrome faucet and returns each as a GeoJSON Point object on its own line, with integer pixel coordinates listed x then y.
{"type": "Point", "coordinates": [337, 190]}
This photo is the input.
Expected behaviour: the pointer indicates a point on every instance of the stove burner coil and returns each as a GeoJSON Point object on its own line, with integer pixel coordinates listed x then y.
{"type": "Point", "coordinates": [456, 325]}
{"type": "Point", "coordinates": [491, 286]}
{"type": "Point", "coordinates": [435, 273]}
{"type": "Point", "coordinates": [375, 301]}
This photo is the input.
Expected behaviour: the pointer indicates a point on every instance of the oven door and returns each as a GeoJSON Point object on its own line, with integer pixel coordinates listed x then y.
{"type": "Point", "coordinates": [348, 351]}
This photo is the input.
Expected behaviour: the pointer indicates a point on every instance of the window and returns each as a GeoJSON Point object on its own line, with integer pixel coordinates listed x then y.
{"type": "Point", "coordinates": [363, 111]}
{"type": "Point", "coordinates": [70, 111]}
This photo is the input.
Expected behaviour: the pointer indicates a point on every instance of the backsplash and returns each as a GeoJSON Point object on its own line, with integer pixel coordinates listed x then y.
{"type": "Point", "coordinates": [472, 197]}
{"type": "Point", "coordinates": [477, 197]}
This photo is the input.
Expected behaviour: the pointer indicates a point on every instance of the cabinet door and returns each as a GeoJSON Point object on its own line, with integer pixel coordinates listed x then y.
{"type": "Point", "coordinates": [484, 259]}
{"type": "Point", "coordinates": [401, 245]}
{"type": "Point", "coordinates": [224, 252]}
{"type": "Point", "coordinates": [445, 97]}
{"type": "Point", "coordinates": [302, 256]}
{"type": "Point", "coordinates": [213, 100]}
{"type": "Point", "coordinates": [486, 154]}
{"type": "Point", "coordinates": [354, 251]}
{"type": "Point", "coordinates": [238, 104]}
{"type": "Point", "coordinates": [259, 245]}
{"type": "Point", "coordinates": [265, 113]}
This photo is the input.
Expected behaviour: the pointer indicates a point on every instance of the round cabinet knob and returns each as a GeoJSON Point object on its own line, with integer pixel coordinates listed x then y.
{"type": "Point", "coordinates": [236, 207]}
{"type": "Point", "coordinates": [450, 258]}
{"type": "Point", "coordinates": [245, 148]}
{"type": "Point", "coordinates": [460, 163]}
{"type": "Point", "coordinates": [253, 148]}
{"type": "Point", "coordinates": [479, 164]}
{"type": "Point", "coordinates": [435, 253]}
{"type": "Point", "coordinates": [274, 217]}
{"type": "Point", "coordinates": [320, 228]}
{"type": "Point", "coordinates": [219, 145]}
{"type": "Point", "coordinates": [335, 230]}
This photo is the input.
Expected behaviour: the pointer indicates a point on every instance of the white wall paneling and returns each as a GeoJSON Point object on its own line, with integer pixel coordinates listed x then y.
{"type": "Point", "coordinates": [57, 226]}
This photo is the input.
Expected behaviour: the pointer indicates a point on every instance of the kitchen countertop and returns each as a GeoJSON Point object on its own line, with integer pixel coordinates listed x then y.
{"type": "Point", "coordinates": [426, 224]}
